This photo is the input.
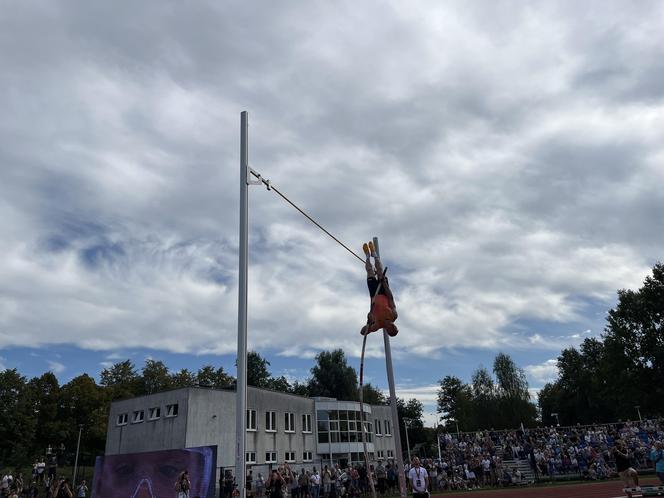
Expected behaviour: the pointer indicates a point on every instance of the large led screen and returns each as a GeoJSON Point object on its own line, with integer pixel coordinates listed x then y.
{"type": "Point", "coordinates": [154, 474]}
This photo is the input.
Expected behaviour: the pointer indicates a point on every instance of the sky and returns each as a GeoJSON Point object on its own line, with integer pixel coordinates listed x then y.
{"type": "Point", "coordinates": [508, 155]}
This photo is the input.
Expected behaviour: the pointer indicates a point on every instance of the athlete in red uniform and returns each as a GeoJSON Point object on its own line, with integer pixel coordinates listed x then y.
{"type": "Point", "coordinates": [383, 311]}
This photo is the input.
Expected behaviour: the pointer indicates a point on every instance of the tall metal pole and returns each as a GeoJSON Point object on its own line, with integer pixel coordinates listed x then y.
{"type": "Point", "coordinates": [78, 447]}
{"type": "Point", "coordinates": [440, 458]}
{"type": "Point", "coordinates": [241, 386]}
{"type": "Point", "coordinates": [393, 404]}
{"type": "Point", "coordinates": [638, 410]}
{"type": "Point", "coordinates": [406, 423]}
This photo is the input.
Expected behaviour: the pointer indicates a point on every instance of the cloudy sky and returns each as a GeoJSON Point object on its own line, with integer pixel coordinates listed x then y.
{"type": "Point", "coordinates": [509, 156]}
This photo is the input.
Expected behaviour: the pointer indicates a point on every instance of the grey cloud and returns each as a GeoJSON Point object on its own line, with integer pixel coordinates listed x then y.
{"type": "Point", "coordinates": [507, 156]}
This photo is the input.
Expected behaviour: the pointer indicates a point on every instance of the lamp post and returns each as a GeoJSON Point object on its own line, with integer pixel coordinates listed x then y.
{"type": "Point", "coordinates": [406, 423]}
{"type": "Point", "coordinates": [437, 439]}
{"type": "Point", "coordinates": [557, 419]}
{"type": "Point", "coordinates": [638, 410]}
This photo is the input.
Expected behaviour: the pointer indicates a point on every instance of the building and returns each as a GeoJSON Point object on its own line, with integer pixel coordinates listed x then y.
{"type": "Point", "coordinates": [304, 432]}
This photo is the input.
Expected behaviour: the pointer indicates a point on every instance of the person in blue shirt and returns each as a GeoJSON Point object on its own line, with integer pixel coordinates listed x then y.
{"type": "Point", "coordinates": [657, 456]}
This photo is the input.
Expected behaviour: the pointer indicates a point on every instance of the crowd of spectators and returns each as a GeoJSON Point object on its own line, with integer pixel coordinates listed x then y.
{"type": "Point", "coordinates": [43, 481]}
{"type": "Point", "coordinates": [491, 458]}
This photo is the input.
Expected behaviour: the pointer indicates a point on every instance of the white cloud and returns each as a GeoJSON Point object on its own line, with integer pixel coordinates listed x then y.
{"type": "Point", "coordinates": [544, 372]}
{"type": "Point", "coordinates": [494, 153]}
{"type": "Point", "coordinates": [56, 367]}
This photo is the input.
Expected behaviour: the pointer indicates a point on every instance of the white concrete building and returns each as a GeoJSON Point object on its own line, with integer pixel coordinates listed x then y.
{"type": "Point", "coordinates": [305, 432]}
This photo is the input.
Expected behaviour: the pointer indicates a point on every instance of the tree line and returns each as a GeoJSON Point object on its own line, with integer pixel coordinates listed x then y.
{"type": "Point", "coordinates": [39, 412]}
{"type": "Point", "coordinates": [602, 380]}
{"type": "Point", "coordinates": [605, 379]}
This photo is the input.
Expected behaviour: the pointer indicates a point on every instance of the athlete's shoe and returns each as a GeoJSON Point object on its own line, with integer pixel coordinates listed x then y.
{"type": "Point", "coordinates": [372, 249]}
{"type": "Point", "coordinates": [364, 330]}
{"type": "Point", "coordinates": [365, 248]}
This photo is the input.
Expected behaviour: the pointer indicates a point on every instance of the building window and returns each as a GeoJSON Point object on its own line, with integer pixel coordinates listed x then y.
{"type": "Point", "coordinates": [250, 457]}
{"type": "Point", "coordinates": [139, 416]}
{"type": "Point", "coordinates": [379, 431]}
{"type": "Point", "coordinates": [307, 457]}
{"type": "Point", "coordinates": [342, 426]}
{"type": "Point", "coordinates": [290, 457]}
{"type": "Point", "coordinates": [154, 413]}
{"type": "Point", "coordinates": [123, 418]}
{"type": "Point", "coordinates": [306, 422]}
{"type": "Point", "coordinates": [388, 428]}
{"type": "Point", "coordinates": [390, 454]}
{"type": "Point", "coordinates": [271, 456]}
{"type": "Point", "coordinates": [172, 410]}
{"type": "Point", "coordinates": [251, 420]}
{"type": "Point", "coordinates": [289, 422]}
{"type": "Point", "coordinates": [271, 421]}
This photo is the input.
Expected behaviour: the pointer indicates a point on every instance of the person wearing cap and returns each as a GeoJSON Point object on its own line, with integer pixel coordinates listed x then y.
{"type": "Point", "coordinates": [657, 457]}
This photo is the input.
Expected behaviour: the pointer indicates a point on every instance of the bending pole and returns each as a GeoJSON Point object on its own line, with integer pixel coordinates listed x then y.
{"type": "Point", "coordinates": [393, 404]}
{"type": "Point", "coordinates": [241, 385]}
{"type": "Point", "coordinates": [364, 436]}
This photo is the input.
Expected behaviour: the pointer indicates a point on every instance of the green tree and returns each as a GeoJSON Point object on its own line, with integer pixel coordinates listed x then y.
{"type": "Point", "coordinates": [84, 404]}
{"type": "Point", "coordinates": [183, 378]}
{"type": "Point", "coordinates": [155, 377]}
{"type": "Point", "coordinates": [410, 418]}
{"type": "Point", "coordinates": [512, 394]}
{"type": "Point", "coordinates": [332, 377]}
{"type": "Point", "coordinates": [455, 404]}
{"type": "Point", "coordinates": [258, 374]}
{"type": "Point", "coordinates": [372, 395]}
{"type": "Point", "coordinates": [121, 380]}
{"type": "Point", "coordinates": [211, 377]}
{"type": "Point", "coordinates": [485, 410]}
{"type": "Point", "coordinates": [17, 419]}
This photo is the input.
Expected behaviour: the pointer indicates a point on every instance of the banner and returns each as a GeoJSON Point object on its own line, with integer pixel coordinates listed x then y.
{"type": "Point", "coordinates": [154, 474]}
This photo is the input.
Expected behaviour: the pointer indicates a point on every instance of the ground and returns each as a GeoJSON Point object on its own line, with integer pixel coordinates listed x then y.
{"type": "Point", "coordinates": [610, 489]}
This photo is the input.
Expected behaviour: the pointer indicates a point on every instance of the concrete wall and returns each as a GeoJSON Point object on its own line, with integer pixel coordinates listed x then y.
{"type": "Point", "coordinates": [150, 435]}
{"type": "Point", "coordinates": [206, 417]}
{"type": "Point", "coordinates": [384, 442]}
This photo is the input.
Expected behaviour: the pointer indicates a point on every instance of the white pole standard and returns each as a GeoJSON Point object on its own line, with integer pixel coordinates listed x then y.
{"type": "Point", "coordinates": [241, 385]}
{"type": "Point", "coordinates": [393, 404]}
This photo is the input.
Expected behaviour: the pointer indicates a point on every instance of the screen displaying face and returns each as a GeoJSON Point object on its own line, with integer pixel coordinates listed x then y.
{"type": "Point", "coordinates": [154, 474]}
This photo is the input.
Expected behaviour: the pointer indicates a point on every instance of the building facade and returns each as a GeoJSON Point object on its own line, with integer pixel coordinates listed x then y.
{"type": "Point", "coordinates": [281, 428]}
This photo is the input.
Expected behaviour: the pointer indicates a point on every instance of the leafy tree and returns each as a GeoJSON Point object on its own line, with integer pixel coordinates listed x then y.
{"type": "Point", "coordinates": [44, 395]}
{"type": "Point", "coordinates": [279, 384]}
{"type": "Point", "coordinates": [455, 404]}
{"type": "Point", "coordinates": [84, 404]}
{"type": "Point", "coordinates": [332, 377]}
{"type": "Point", "coordinates": [211, 377]}
{"type": "Point", "coordinates": [373, 396]}
{"type": "Point", "coordinates": [411, 411]}
{"type": "Point", "coordinates": [183, 378]}
{"type": "Point", "coordinates": [514, 403]}
{"type": "Point", "coordinates": [17, 420]}
{"type": "Point", "coordinates": [258, 374]}
{"type": "Point", "coordinates": [122, 379]}
{"type": "Point", "coordinates": [155, 377]}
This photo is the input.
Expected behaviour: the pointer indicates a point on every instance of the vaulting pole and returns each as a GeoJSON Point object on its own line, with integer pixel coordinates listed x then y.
{"type": "Point", "coordinates": [241, 387]}
{"type": "Point", "coordinates": [393, 404]}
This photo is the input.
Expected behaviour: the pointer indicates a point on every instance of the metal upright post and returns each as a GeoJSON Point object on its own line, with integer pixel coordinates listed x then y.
{"type": "Point", "coordinates": [241, 386]}
{"type": "Point", "coordinates": [406, 423]}
{"type": "Point", "coordinates": [393, 404]}
{"type": "Point", "coordinates": [440, 458]}
{"type": "Point", "coordinates": [78, 448]}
